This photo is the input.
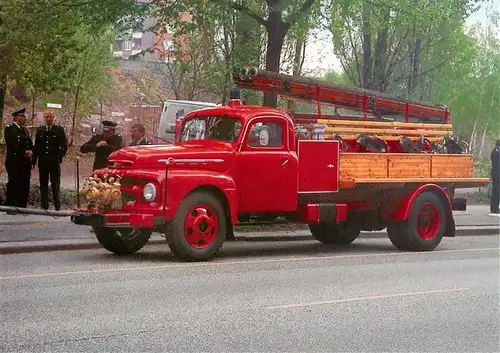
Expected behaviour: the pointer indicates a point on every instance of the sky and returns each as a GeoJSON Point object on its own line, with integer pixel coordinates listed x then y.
{"type": "Point", "coordinates": [319, 52]}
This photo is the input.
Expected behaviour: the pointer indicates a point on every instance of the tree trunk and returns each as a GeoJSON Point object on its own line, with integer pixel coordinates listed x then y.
{"type": "Point", "coordinates": [380, 80]}
{"type": "Point", "coordinates": [227, 59]}
{"type": "Point", "coordinates": [77, 93]}
{"type": "Point", "coordinates": [73, 122]}
{"type": "Point", "coordinates": [33, 98]}
{"type": "Point", "coordinates": [367, 48]}
{"type": "Point", "coordinates": [276, 32]}
{"type": "Point", "coordinates": [483, 138]}
{"type": "Point", "coordinates": [297, 60]}
{"type": "Point", "coordinates": [473, 135]}
{"type": "Point", "coordinates": [3, 88]}
{"type": "Point", "coordinates": [297, 65]}
{"type": "Point", "coordinates": [415, 66]}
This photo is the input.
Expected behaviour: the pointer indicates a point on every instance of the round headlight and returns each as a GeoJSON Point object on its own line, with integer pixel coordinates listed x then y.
{"type": "Point", "coordinates": [149, 192]}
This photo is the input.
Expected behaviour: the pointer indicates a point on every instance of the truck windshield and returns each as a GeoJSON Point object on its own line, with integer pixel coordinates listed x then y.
{"type": "Point", "coordinates": [221, 128]}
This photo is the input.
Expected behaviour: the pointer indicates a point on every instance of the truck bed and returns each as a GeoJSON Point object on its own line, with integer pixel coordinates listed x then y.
{"type": "Point", "coordinates": [373, 168]}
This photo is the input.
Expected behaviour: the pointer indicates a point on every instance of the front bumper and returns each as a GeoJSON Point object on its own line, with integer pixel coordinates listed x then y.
{"type": "Point", "coordinates": [117, 220]}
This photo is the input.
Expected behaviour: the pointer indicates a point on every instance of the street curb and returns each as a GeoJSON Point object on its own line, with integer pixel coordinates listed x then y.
{"type": "Point", "coordinates": [46, 246]}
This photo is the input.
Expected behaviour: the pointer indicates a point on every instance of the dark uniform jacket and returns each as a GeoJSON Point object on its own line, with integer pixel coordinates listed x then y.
{"type": "Point", "coordinates": [495, 164]}
{"type": "Point", "coordinates": [142, 141]}
{"type": "Point", "coordinates": [102, 153]}
{"type": "Point", "coordinates": [17, 141]}
{"type": "Point", "coordinates": [51, 144]}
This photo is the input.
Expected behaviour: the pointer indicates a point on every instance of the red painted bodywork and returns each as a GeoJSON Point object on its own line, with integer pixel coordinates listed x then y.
{"type": "Point", "coordinates": [321, 173]}
{"type": "Point", "coordinates": [402, 212]}
{"type": "Point", "coordinates": [279, 180]}
{"type": "Point", "coordinates": [309, 213]}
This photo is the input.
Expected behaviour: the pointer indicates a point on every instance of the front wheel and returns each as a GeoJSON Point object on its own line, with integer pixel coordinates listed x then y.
{"type": "Point", "coordinates": [425, 227]}
{"type": "Point", "coordinates": [199, 227]}
{"type": "Point", "coordinates": [333, 234]}
{"type": "Point", "coordinates": [122, 241]}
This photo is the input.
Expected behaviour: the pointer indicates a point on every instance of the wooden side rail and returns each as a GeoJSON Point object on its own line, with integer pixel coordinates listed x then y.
{"type": "Point", "coordinates": [387, 131]}
{"type": "Point", "coordinates": [391, 136]}
{"type": "Point", "coordinates": [383, 137]}
{"type": "Point", "coordinates": [395, 124]}
{"type": "Point", "coordinates": [345, 127]}
{"type": "Point", "coordinates": [404, 167]}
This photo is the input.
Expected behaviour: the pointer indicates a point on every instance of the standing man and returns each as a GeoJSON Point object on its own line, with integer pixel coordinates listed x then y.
{"type": "Point", "coordinates": [103, 144]}
{"type": "Point", "coordinates": [18, 160]}
{"type": "Point", "coordinates": [495, 179]}
{"type": "Point", "coordinates": [137, 132]}
{"type": "Point", "coordinates": [51, 146]}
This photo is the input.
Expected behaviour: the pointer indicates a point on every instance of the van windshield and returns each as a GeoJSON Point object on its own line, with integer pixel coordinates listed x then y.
{"type": "Point", "coordinates": [221, 128]}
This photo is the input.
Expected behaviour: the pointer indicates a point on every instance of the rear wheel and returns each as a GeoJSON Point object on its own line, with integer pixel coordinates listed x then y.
{"type": "Point", "coordinates": [425, 227]}
{"type": "Point", "coordinates": [199, 228]}
{"type": "Point", "coordinates": [333, 234]}
{"type": "Point", "coordinates": [122, 241]}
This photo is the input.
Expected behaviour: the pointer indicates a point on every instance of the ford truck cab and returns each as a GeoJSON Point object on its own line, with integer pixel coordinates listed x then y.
{"type": "Point", "coordinates": [227, 161]}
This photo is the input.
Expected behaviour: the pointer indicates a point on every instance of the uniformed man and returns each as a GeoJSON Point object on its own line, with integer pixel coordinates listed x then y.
{"type": "Point", "coordinates": [103, 144]}
{"type": "Point", "coordinates": [51, 146]}
{"type": "Point", "coordinates": [137, 132]}
{"type": "Point", "coordinates": [495, 179]}
{"type": "Point", "coordinates": [18, 160]}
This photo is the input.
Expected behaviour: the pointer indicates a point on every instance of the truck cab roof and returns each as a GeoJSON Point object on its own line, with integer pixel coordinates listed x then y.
{"type": "Point", "coordinates": [243, 112]}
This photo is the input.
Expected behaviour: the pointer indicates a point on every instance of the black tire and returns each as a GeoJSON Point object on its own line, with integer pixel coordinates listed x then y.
{"type": "Point", "coordinates": [405, 235]}
{"type": "Point", "coordinates": [177, 239]}
{"type": "Point", "coordinates": [122, 241]}
{"type": "Point", "coordinates": [333, 234]}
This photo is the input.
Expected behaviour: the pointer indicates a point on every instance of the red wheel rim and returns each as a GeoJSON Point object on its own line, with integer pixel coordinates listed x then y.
{"type": "Point", "coordinates": [201, 226]}
{"type": "Point", "coordinates": [428, 221]}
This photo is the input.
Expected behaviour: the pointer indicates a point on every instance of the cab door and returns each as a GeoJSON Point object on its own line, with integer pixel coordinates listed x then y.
{"type": "Point", "coordinates": [268, 181]}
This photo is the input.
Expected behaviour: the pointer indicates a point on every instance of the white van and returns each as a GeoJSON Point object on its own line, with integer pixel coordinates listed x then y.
{"type": "Point", "coordinates": [174, 111]}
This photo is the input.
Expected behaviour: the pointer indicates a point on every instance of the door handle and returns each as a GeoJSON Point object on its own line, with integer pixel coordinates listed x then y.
{"type": "Point", "coordinates": [285, 162]}
{"type": "Point", "coordinates": [330, 166]}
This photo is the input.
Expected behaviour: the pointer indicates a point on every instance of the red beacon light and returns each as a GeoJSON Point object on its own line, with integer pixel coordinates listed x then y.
{"type": "Point", "coordinates": [235, 97]}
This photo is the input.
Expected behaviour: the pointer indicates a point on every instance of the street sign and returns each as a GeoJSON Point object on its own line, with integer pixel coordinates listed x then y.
{"type": "Point", "coordinates": [117, 114]}
{"type": "Point", "coordinates": [54, 105]}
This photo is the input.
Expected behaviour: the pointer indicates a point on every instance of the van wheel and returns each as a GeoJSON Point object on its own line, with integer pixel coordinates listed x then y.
{"type": "Point", "coordinates": [122, 241]}
{"type": "Point", "coordinates": [199, 228]}
{"type": "Point", "coordinates": [333, 234]}
{"type": "Point", "coordinates": [425, 227]}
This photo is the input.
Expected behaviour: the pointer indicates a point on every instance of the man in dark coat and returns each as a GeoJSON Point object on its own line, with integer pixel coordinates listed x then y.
{"type": "Point", "coordinates": [103, 144]}
{"type": "Point", "coordinates": [137, 132]}
{"type": "Point", "coordinates": [18, 160]}
{"type": "Point", "coordinates": [51, 146]}
{"type": "Point", "coordinates": [495, 179]}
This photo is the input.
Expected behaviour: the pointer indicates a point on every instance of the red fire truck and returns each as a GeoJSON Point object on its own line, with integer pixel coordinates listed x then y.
{"type": "Point", "coordinates": [344, 175]}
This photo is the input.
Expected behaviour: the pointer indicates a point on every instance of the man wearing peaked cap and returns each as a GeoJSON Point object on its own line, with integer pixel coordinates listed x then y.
{"type": "Point", "coordinates": [103, 144]}
{"type": "Point", "coordinates": [18, 160]}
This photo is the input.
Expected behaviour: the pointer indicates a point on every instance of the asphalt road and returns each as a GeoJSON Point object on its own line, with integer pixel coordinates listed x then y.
{"type": "Point", "coordinates": [273, 297]}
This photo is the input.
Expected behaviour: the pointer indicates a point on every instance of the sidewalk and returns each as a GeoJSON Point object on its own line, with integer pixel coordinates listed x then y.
{"type": "Point", "coordinates": [476, 215]}
{"type": "Point", "coordinates": [22, 234]}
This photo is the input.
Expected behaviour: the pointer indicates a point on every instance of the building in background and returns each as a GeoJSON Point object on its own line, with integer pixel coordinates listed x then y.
{"type": "Point", "coordinates": [154, 46]}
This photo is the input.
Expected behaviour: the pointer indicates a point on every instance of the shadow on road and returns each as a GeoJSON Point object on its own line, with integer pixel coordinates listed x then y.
{"type": "Point", "coordinates": [243, 250]}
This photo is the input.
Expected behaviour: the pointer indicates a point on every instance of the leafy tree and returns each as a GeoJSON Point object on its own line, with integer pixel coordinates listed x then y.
{"type": "Point", "coordinates": [388, 45]}
{"type": "Point", "coordinates": [39, 39]}
{"type": "Point", "coordinates": [277, 17]}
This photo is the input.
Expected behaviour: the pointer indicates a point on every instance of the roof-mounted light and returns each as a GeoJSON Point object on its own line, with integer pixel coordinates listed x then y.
{"type": "Point", "coordinates": [235, 97]}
